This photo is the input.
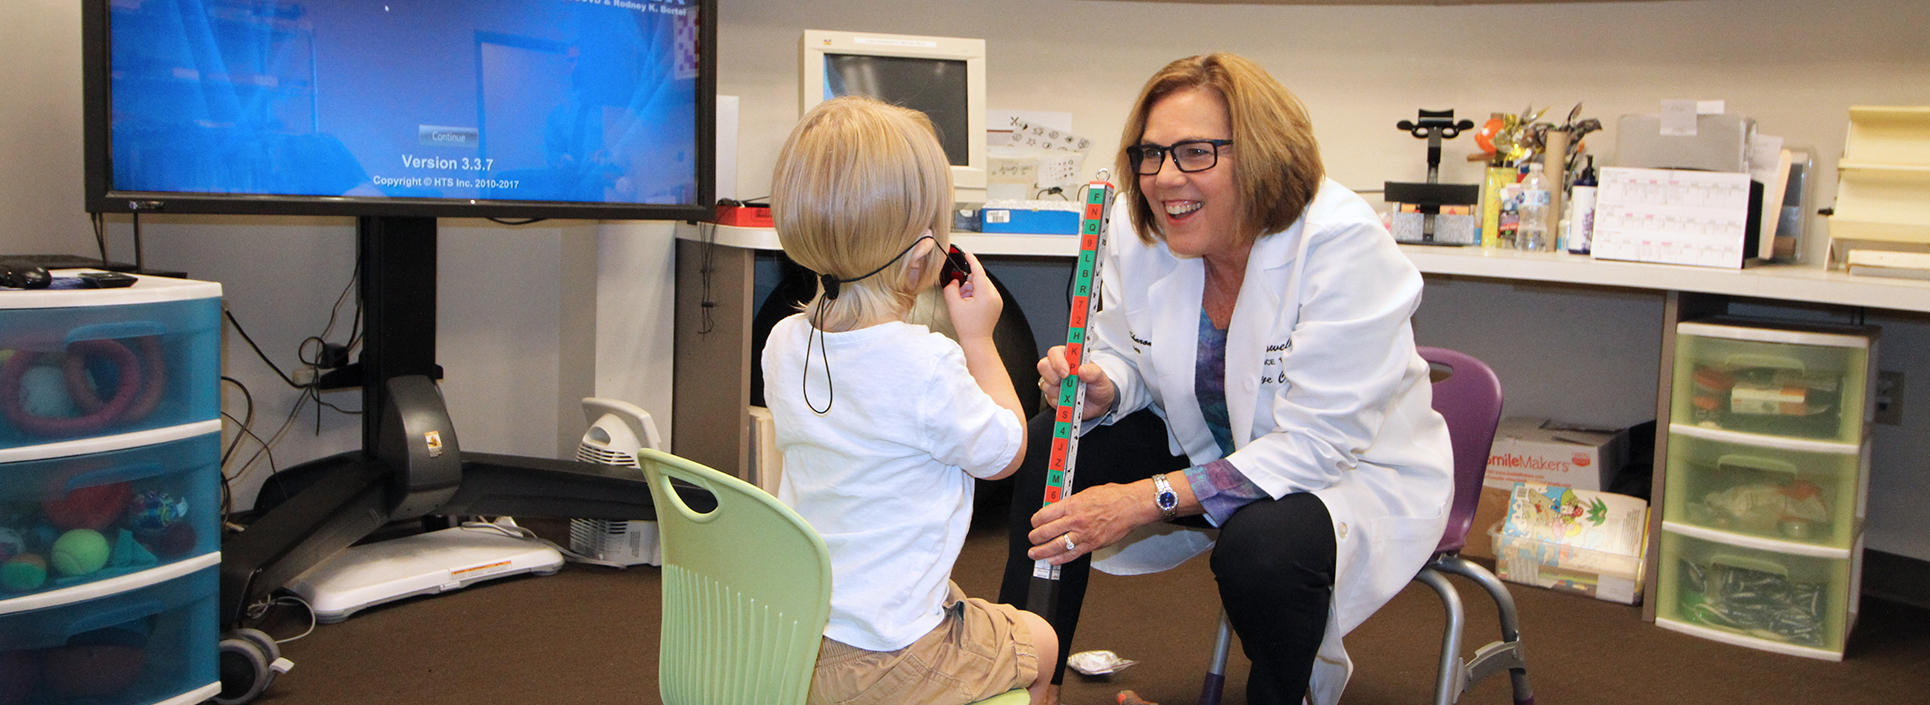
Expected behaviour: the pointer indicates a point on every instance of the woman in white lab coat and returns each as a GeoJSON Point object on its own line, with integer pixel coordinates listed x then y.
{"type": "Point", "coordinates": [1253, 367]}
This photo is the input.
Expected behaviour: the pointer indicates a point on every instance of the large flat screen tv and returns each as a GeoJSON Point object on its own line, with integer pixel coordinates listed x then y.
{"type": "Point", "coordinates": [600, 109]}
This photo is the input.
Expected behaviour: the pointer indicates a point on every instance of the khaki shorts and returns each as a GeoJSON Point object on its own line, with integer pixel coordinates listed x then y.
{"type": "Point", "coordinates": [980, 650]}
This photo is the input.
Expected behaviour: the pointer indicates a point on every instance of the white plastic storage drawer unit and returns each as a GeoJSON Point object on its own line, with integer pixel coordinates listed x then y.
{"type": "Point", "coordinates": [110, 506]}
{"type": "Point", "coordinates": [1766, 483]}
{"type": "Point", "coordinates": [83, 364]}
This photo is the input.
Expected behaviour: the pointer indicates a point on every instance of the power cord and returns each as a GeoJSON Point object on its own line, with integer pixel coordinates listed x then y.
{"type": "Point", "coordinates": [705, 323]}
{"type": "Point", "coordinates": [260, 609]}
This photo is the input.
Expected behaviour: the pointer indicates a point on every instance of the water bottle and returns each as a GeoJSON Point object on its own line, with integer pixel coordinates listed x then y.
{"type": "Point", "coordinates": [1532, 232]}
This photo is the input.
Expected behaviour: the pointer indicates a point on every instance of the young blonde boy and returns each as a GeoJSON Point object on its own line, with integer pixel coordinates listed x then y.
{"type": "Point", "coordinates": [883, 424]}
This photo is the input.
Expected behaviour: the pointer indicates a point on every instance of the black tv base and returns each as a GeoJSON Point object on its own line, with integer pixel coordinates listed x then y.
{"type": "Point", "coordinates": [410, 464]}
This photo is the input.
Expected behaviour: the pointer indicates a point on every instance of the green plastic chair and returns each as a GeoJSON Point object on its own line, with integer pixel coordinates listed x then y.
{"type": "Point", "coordinates": [746, 592]}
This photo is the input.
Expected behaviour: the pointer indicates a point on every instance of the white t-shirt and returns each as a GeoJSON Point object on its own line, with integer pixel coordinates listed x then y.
{"type": "Point", "coordinates": [885, 476]}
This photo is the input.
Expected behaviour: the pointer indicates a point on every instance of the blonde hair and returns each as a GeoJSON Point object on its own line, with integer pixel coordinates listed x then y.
{"type": "Point", "coordinates": [1278, 170]}
{"type": "Point", "coordinates": [858, 182]}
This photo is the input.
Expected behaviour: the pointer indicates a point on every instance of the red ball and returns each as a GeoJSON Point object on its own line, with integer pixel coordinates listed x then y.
{"type": "Point", "coordinates": [170, 543]}
{"type": "Point", "coordinates": [88, 507]}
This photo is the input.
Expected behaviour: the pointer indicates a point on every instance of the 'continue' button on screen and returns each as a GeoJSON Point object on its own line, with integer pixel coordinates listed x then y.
{"type": "Point", "coordinates": [447, 136]}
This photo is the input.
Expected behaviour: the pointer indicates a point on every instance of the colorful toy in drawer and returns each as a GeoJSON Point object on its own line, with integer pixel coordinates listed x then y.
{"type": "Point", "coordinates": [152, 643]}
{"type": "Point", "coordinates": [1777, 401]}
{"type": "Point", "coordinates": [79, 519]}
{"type": "Point", "coordinates": [91, 371]}
{"type": "Point", "coordinates": [1794, 509]}
{"type": "Point", "coordinates": [102, 382]}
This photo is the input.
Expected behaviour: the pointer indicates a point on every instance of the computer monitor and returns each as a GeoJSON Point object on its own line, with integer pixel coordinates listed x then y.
{"type": "Point", "coordinates": [943, 77]}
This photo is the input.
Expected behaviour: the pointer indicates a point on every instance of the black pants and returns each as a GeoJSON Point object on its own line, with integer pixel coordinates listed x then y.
{"type": "Point", "coordinates": [1274, 561]}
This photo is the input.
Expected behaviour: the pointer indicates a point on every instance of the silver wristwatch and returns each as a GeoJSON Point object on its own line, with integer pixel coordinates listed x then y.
{"type": "Point", "coordinates": [1164, 498]}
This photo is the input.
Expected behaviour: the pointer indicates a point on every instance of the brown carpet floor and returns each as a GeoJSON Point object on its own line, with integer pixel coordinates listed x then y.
{"type": "Point", "coordinates": [589, 635]}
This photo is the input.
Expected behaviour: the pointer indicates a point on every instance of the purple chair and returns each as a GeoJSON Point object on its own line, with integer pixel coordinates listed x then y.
{"type": "Point", "coordinates": [1468, 395]}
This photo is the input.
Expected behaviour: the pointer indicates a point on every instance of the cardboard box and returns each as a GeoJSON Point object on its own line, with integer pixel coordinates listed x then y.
{"type": "Point", "coordinates": [1590, 543]}
{"type": "Point", "coordinates": [1488, 517]}
{"type": "Point", "coordinates": [1537, 450]}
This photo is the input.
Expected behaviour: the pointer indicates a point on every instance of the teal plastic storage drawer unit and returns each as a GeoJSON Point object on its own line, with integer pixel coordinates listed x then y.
{"type": "Point", "coordinates": [1774, 379]}
{"type": "Point", "coordinates": [1803, 492]}
{"type": "Point", "coordinates": [1757, 594]}
{"type": "Point", "coordinates": [152, 644]}
{"type": "Point", "coordinates": [94, 523]}
{"type": "Point", "coordinates": [80, 364]}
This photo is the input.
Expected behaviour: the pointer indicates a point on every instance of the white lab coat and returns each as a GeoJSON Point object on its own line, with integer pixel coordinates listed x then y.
{"type": "Point", "coordinates": [1324, 389]}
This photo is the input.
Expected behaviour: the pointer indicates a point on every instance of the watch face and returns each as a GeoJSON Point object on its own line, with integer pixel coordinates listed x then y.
{"type": "Point", "coordinates": [1167, 501]}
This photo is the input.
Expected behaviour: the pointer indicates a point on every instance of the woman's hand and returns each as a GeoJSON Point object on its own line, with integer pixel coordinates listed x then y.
{"type": "Point", "coordinates": [1100, 391]}
{"type": "Point", "coordinates": [1094, 518]}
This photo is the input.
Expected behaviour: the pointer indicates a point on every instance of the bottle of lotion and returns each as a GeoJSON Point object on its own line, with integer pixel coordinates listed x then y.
{"type": "Point", "coordinates": [1581, 227]}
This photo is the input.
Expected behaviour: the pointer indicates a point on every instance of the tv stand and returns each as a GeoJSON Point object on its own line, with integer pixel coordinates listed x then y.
{"type": "Point", "coordinates": [410, 464]}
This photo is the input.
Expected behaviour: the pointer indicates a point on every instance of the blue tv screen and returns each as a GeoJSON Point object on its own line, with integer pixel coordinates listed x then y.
{"type": "Point", "coordinates": [591, 108]}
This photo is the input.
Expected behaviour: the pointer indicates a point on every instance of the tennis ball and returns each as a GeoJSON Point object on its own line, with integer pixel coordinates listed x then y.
{"type": "Point", "coordinates": [27, 571]}
{"type": "Point", "coordinates": [79, 552]}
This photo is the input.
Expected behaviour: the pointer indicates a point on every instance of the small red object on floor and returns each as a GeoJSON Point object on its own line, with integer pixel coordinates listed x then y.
{"type": "Point", "coordinates": [1127, 697]}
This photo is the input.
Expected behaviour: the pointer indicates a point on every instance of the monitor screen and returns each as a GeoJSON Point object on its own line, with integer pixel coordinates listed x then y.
{"type": "Point", "coordinates": [935, 87]}
{"type": "Point", "coordinates": [943, 77]}
{"type": "Point", "coordinates": [564, 108]}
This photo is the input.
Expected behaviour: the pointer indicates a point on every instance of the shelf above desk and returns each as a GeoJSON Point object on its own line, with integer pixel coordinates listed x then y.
{"type": "Point", "coordinates": [976, 243]}
{"type": "Point", "coordinates": [1784, 282]}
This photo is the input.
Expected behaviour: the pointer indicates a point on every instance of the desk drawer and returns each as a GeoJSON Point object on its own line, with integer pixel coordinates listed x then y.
{"type": "Point", "coordinates": [145, 645]}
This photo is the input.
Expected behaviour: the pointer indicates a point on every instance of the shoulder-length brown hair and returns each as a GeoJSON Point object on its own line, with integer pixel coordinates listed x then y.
{"type": "Point", "coordinates": [1278, 169]}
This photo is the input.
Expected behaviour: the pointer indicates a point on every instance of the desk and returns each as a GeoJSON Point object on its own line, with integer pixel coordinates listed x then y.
{"type": "Point", "coordinates": [711, 425]}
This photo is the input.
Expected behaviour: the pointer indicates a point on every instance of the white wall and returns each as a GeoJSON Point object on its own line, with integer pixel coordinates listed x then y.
{"type": "Point", "coordinates": [1795, 66]}
{"type": "Point", "coordinates": [1587, 356]}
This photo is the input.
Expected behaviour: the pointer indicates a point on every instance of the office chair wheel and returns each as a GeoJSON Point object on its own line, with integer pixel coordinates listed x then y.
{"type": "Point", "coordinates": [249, 662]}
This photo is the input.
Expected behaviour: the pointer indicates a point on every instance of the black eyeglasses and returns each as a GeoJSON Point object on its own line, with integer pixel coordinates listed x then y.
{"type": "Point", "coordinates": [1190, 156]}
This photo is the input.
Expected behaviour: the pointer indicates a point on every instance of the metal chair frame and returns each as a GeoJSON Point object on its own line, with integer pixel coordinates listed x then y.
{"type": "Point", "coordinates": [1469, 397]}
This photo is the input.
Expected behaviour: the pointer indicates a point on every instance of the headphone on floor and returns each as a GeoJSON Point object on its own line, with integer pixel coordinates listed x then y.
{"type": "Point", "coordinates": [249, 662]}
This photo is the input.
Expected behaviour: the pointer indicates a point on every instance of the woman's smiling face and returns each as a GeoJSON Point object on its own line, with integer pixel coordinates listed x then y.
{"type": "Point", "coordinates": [1199, 212]}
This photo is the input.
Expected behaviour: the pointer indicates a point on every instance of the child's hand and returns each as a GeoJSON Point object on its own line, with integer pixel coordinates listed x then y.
{"type": "Point", "coordinates": [975, 304]}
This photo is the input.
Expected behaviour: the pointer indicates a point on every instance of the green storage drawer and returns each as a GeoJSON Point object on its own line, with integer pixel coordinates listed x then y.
{"type": "Point", "coordinates": [1786, 602]}
{"type": "Point", "coordinates": [1796, 491]}
{"type": "Point", "coordinates": [1806, 381]}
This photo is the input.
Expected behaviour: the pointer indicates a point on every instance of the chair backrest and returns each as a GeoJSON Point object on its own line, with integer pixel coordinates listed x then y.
{"type": "Point", "coordinates": [1468, 395]}
{"type": "Point", "coordinates": [746, 590]}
